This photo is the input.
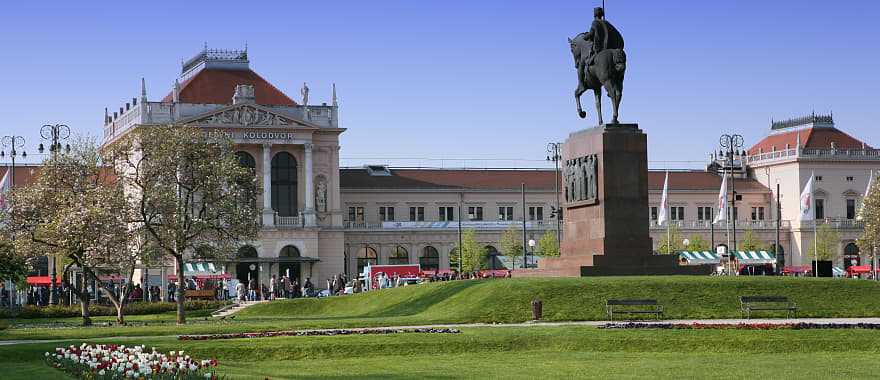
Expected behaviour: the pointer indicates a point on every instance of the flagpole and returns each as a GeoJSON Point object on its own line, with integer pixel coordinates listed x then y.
{"type": "Point", "coordinates": [816, 247]}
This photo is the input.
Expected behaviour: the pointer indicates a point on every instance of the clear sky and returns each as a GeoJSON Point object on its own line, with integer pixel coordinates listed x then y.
{"type": "Point", "coordinates": [460, 79]}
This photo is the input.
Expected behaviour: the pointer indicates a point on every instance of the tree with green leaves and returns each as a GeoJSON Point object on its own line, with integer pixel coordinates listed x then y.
{"type": "Point", "coordinates": [189, 191]}
{"type": "Point", "coordinates": [750, 242]}
{"type": "Point", "coordinates": [12, 267]}
{"type": "Point", "coordinates": [511, 244]}
{"type": "Point", "coordinates": [697, 243]}
{"type": "Point", "coordinates": [677, 243]}
{"type": "Point", "coordinates": [548, 244]}
{"type": "Point", "coordinates": [869, 214]}
{"type": "Point", "coordinates": [78, 210]}
{"type": "Point", "coordinates": [472, 253]}
{"type": "Point", "coordinates": [827, 240]}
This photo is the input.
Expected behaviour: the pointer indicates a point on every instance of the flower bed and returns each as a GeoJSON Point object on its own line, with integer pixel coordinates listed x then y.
{"type": "Point", "coordinates": [269, 334]}
{"type": "Point", "coordinates": [741, 326]}
{"type": "Point", "coordinates": [109, 361]}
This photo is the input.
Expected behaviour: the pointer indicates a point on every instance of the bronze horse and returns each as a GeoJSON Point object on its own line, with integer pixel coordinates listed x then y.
{"type": "Point", "coordinates": [607, 71]}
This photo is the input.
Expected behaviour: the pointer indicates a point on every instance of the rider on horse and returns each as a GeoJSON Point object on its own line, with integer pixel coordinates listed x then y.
{"type": "Point", "coordinates": [602, 35]}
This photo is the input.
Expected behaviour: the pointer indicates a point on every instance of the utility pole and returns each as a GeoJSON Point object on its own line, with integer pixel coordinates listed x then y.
{"type": "Point", "coordinates": [525, 242]}
{"type": "Point", "coordinates": [460, 248]}
{"type": "Point", "coordinates": [730, 145]}
{"type": "Point", "coordinates": [54, 133]}
{"type": "Point", "coordinates": [553, 149]}
{"type": "Point", "coordinates": [778, 222]}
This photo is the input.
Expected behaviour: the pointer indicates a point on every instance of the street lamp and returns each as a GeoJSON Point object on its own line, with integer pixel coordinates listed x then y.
{"type": "Point", "coordinates": [532, 250]}
{"type": "Point", "coordinates": [54, 133]}
{"type": "Point", "coordinates": [553, 149]}
{"type": "Point", "coordinates": [686, 243]}
{"type": "Point", "coordinates": [730, 149]}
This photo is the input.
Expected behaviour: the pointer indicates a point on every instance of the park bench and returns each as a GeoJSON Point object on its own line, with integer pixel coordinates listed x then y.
{"type": "Point", "coordinates": [766, 303]}
{"type": "Point", "coordinates": [633, 306]}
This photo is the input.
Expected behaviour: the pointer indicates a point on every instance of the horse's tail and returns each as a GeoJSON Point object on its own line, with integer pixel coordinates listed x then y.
{"type": "Point", "coordinates": [619, 59]}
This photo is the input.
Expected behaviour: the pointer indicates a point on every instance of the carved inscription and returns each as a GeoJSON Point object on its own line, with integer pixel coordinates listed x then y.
{"type": "Point", "coordinates": [581, 180]}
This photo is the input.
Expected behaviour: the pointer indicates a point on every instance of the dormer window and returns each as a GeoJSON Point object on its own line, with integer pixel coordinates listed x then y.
{"type": "Point", "coordinates": [378, 170]}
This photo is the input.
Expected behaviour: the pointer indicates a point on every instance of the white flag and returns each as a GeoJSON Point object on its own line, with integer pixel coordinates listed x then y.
{"type": "Point", "coordinates": [664, 202]}
{"type": "Point", "coordinates": [808, 211]}
{"type": "Point", "coordinates": [5, 184]}
{"type": "Point", "coordinates": [865, 195]}
{"type": "Point", "coordinates": [721, 211]}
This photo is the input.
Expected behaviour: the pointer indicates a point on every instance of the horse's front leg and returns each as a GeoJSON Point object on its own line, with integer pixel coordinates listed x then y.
{"type": "Point", "coordinates": [578, 92]}
{"type": "Point", "coordinates": [598, 93]}
{"type": "Point", "coordinates": [615, 99]}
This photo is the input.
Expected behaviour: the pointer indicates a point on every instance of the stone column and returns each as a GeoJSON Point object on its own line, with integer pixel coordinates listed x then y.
{"type": "Point", "coordinates": [309, 212]}
{"type": "Point", "coordinates": [268, 213]}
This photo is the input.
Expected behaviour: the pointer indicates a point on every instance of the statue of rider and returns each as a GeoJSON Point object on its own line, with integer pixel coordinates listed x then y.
{"type": "Point", "coordinates": [602, 35]}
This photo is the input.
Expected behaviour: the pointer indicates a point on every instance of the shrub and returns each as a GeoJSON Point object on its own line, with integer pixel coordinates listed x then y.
{"type": "Point", "coordinates": [138, 308]}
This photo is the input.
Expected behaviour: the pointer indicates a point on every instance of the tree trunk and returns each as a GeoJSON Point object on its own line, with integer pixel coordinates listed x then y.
{"type": "Point", "coordinates": [85, 300]}
{"type": "Point", "coordinates": [181, 290]}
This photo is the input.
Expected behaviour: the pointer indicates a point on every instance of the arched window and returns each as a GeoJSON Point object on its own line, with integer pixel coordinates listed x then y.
{"type": "Point", "coordinates": [851, 255]}
{"type": "Point", "coordinates": [289, 251]}
{"type": "Point", "coordinates": [492, 261]}
{"type": "Point", "coordinates": [430, 258]}
{"type": "Point", "coordinates": [284, 184]}
{"type": "Point", "coordinates": [245, 159]}
{"type": "Point", "coordinates": [366, 255]}
{"type": "Point", "coordinates": [399, 255]}
{"type": "Point", "coordinates": [247, 252]}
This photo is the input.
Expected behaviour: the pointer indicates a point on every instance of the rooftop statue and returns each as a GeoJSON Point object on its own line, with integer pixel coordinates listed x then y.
{"type": "Point", "coordinates": [600, 62]}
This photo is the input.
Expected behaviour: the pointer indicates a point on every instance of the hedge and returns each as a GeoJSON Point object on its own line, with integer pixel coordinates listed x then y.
{"type": "Point", "coordinates": [138, 308]}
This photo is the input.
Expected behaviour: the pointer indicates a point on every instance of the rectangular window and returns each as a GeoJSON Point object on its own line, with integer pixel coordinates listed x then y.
{"type": "Point", "coordinates": [536, 213]}
{"type": "Point", "coordinates": [386, 214]}
{"type": "Point", "coordinates": [704, 213]}
{"type": "Point", "coordinates": [820, 209]}
{"type": "Point", "coordinates": [654, 213]}
{"type": "Point", "coordinates": [850, 208]}
{"type": "Point", "coordinates": [757, 213]}
{"type": "Point", "coordinates": [676, 213]}
{"type": "Point", "coordinates": [505, 213]}
{"type": "Point", "coordinates": [818, 178]}
{"type": "Point", "coordinates": [850, 179]}
{"type": "Point", "coordinates": [416, 214]}
{"type": "Point", "coordinates": [356, 214]}
{"type": "Point", "coordinates": [447, 214]}
{"type": "Point", "coordinates": [475, 213]}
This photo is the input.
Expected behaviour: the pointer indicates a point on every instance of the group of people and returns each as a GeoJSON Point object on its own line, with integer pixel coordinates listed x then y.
{"type": "Point", "coordinates": [278, 287]}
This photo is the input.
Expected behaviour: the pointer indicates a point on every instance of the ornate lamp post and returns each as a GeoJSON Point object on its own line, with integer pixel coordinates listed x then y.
{"type": "Point", "coordinates": [13, 143]}
{"type": "Point", "coordinates": [730, 149]}
{"type": "Point", "coordinates": [553, 149]}
{"type": "Point", "coordinates": [54, 133]}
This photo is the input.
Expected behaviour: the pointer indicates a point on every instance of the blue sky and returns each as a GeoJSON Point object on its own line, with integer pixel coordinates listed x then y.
{"type": "Point", "coordinates": [484, 80]}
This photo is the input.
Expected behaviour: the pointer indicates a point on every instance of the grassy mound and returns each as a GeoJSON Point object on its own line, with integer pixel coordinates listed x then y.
{"type": "Point", "coordinates": [565, 299]}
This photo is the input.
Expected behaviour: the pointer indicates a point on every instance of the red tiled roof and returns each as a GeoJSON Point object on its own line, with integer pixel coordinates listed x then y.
{"type": "Point", "coordinates": [24, 175]}
{"type": "Point", "coordinates": [511, 180]}
{"type": "Point", "coordinates": [214, 86]}
{"type": "Point", "coordinates": [814, 138]}
{"type": "Point", "coordinates": [698, 180]}
{"type": "Point", "coordinates": [449, 179]}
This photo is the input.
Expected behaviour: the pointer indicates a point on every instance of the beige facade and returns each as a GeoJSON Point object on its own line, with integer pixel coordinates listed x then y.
{"type": "Point", "coordinates": [319, 219]}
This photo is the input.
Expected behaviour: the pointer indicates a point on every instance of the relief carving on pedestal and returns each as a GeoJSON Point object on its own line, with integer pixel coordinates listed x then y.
{"type": "Point", "coordinates": [580, 178]}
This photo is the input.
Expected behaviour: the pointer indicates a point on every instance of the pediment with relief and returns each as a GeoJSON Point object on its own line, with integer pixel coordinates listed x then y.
{"type": "Point", "coordinates": [245, 115]}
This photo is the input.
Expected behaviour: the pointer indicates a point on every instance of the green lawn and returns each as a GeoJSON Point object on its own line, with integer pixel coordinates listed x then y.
{"type": "Point", "coordinates": [538, 352]}
{"type": "Point", "coordinates": [507, 300]}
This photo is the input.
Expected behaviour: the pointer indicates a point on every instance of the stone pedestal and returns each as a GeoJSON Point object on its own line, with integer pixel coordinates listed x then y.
{"type": "Point", "coordinates": [605, 225]}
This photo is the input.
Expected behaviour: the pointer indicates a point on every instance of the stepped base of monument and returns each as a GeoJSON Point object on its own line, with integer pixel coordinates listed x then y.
{"type": "Point", "coordinates": [599, 265]}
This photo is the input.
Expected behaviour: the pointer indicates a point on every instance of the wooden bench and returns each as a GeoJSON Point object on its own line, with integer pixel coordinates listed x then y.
{"type": "Point", "coordinates": [766, 303]}
{"type": "Point", "coordinates": [205, 294]}
{"type": "Point", "coordinates": [643, 306]}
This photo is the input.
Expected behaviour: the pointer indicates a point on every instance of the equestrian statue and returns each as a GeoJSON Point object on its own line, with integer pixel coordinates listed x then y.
{"type": "Point", "coordinates": [600, 62]}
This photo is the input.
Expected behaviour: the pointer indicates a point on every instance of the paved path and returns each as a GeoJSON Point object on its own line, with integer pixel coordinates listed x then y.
{"type": "Point", "coordinates": [844, 321]}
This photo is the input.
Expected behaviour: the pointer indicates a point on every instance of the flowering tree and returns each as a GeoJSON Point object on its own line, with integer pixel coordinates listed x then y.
{"type": "Point", "coordinates": [76, 209]}
{"type": "Point", "coordinates": [511, 244]}
{"type": "Point", "coordinates": [869, 214]}
{"type": "Point", "coordinates": [12, 267]}
{"type": "Point", "coordinates": [188, 191]}
{"type": "Point", "coordinates": [549, 245]}
{"type": "Point", "coordinates": [472, 253]}
{"type": "Point", "coordinates": [696, 243]}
